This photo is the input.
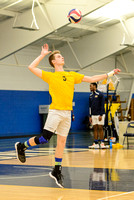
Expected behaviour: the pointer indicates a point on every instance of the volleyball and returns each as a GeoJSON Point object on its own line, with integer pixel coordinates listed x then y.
{"type": "Point", "coordinates": [74, 16]}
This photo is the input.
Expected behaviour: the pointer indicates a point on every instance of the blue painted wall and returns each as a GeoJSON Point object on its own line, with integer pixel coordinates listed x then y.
{"type": "Point", "coordinates": [81, 110]}
{"type": "Point", "coordinates": [19, 111]}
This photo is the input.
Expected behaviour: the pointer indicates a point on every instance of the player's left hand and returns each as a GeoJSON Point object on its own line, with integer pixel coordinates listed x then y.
{"type": "Point", "coordinates": [100, 118]}
{"type": "Point", "coordinates": [116, 71]}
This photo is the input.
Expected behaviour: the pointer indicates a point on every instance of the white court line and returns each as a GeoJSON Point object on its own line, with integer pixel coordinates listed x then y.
{"type": "Point", "coordinates": [7, 153]}
{"type": "Point", "coordinates": [46, 151]}
{"type": "Point", "coordinates": [6, 158]}
{"type": "Point", "coordinates": [23, 177]}
{"type": "Point", "coordinates": [116, 195]}
{"type": "Point", "coordinates": [33, 167]}
{"type": "Point", "coordinates": [36, 152]}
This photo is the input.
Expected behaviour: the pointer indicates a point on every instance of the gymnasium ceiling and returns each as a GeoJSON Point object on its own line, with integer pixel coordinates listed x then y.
{"type": "Point", "coordinates": [16, 17]}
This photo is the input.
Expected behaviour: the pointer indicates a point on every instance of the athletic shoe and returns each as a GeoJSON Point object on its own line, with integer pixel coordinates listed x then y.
{"type": "Point", "coordinates": [20, 152]}
{"type": "Point", "coordinates": [94, 146]}
{"type": "Point", "coordinates": [57, 176]}
{"type": "Point", "coordinates": [102, 145]}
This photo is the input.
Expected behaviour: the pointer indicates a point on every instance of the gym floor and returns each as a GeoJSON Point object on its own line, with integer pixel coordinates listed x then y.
{"type": "Point", "coordinates": [88, 174]}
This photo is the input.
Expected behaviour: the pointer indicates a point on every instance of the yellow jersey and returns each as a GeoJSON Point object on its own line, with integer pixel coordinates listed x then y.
{"type": "Point", "coordinates": [61, 88]}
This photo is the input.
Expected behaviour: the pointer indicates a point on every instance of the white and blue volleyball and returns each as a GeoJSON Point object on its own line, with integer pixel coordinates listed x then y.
{"type": "Point", "coordinates": [74, 16]}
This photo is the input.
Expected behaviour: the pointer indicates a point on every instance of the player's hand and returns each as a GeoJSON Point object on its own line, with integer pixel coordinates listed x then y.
{"type": "Point", "coordinates": [45, 50]}
{"type": "Point", "coordinates": [100, 118]}
{"type": "Point", "coordinates": [116, 71]}
{"type": "Point", "coordinates": [90, 120]}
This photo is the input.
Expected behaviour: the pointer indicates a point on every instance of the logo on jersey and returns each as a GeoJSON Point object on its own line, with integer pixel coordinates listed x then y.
{"type": "Point", "coordinates": [64, 78]}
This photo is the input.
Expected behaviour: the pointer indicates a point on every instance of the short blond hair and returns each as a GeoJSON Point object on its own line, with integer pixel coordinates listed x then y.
{"type": "Point", "coordinates": [52, 57]}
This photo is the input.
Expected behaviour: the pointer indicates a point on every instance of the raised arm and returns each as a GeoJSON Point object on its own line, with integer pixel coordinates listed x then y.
{"type": "Point", "coordinates": [33, 66]}
{"type": "Point", "coordinates": [96, 78]}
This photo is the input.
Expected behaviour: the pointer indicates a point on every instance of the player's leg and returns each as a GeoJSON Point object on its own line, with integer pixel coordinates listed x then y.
{"type": "Point", "coordinates": [62, 133]}
{"type": "Point", "coordinates": [49, 129]}
{"type": "Point", "coordinates": [95, 144]}
{"type": "Point", "coordinates": [56, 172]}
{"type": "Point", "coordinates": [101, 132]}
{"type": "Point", "coordinates": [95, 129]}
{"type": "Point", "coordinates": [41, 139]}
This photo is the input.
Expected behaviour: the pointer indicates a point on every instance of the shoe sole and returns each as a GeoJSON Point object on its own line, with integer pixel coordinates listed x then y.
{"type": "Point", "coordinates": [93, 147]}
{"type": "Point", "coordinates": [17, 151]}
{"type": "Point", "coordinates": [106, 147]}
{"type": "Point", "coordinates": [50, 174]}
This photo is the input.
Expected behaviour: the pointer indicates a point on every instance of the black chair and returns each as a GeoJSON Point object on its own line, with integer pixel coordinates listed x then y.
{"type": "Point", "coordinates": [128, 134]}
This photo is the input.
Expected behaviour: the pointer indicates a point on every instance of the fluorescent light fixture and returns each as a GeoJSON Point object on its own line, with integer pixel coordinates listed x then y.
{"type": "Point", "coordinates": [114, 10]}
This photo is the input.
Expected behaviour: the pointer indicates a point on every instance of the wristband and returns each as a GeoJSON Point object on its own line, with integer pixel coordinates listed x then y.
{"type": "Point", "coordinates": [110, 73]}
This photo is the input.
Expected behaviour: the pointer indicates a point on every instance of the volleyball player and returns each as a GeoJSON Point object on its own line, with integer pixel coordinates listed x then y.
{"type": "Point", "coordinates": [61, 89]}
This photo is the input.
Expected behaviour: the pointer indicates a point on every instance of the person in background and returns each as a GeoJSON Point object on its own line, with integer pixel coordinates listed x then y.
{"type": "Point", "coordinates": [97, 115]}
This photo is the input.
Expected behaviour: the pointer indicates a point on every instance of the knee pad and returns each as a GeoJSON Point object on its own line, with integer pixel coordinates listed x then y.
{"type": "Point", "coordinates": [44, 137]}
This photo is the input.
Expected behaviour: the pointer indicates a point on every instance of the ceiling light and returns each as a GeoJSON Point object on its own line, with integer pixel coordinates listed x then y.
{"type": "Point", "coordinates": [114, 10]}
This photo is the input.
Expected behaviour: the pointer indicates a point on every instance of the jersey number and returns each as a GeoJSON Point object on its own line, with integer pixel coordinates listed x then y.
{"type": "Point", "coordinates": [64, 78]}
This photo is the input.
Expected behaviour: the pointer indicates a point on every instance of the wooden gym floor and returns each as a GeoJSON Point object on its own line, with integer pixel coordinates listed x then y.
{"type": "Point", "coordinates": [88, 174]}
